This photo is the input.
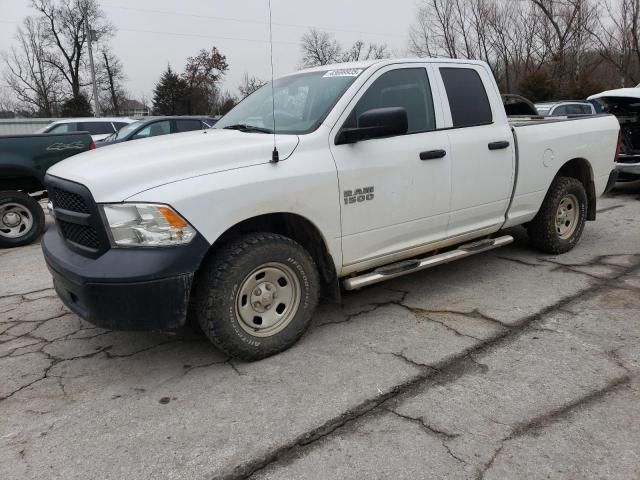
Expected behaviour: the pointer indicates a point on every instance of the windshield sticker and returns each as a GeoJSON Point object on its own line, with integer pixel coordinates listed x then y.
{"type": "Point", "coordinates": [343, 72]}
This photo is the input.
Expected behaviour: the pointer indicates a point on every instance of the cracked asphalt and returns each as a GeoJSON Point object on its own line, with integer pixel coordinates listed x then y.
{"type": "Point", "coordinates": [509, 364]}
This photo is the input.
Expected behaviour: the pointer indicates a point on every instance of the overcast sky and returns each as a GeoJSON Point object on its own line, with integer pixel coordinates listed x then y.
{"type": "Point", "coordinates": [152, 33]}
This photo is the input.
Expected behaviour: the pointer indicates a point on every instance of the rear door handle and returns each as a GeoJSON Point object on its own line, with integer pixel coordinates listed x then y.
{"type": "Point", "coordinates": [433, 154]}
{"type": "Point", "coordinates": [499, 145]}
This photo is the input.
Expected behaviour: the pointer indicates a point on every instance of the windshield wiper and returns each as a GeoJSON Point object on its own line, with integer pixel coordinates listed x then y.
{"type": "Point", "coordinates": [243, 127]}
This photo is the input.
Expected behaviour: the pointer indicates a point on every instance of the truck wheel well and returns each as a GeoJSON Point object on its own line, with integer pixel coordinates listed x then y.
{"type": "Point", "coordinates": [580, 169]}
{"type": "Point", "coordinates": [298, 229]}
{"type": "Point", "coordinates": [23, 184]}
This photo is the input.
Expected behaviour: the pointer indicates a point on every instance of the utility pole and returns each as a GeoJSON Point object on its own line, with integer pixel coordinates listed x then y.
{"type": "Point", "coordinates": [89, 35]}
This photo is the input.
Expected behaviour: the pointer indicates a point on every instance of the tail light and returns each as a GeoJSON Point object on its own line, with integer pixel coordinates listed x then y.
{"type": "Point", "coordinates": [92, 145]}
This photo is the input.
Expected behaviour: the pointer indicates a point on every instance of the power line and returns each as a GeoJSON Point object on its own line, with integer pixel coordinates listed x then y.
{"type": "Point", "coordinates": [255, 22]}
{"type": "Point", "coordinates": [178, 34]}
{"type": "Point", "coordinates": [214, 37]}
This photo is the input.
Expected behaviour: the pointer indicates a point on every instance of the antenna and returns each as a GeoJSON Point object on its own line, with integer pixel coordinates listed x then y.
{"type": "Point", "coordinates": [275, 156]}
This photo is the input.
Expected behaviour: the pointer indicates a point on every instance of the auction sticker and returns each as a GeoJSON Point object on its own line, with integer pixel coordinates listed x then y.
{"type": "Point", "coordinates": [343, 72]}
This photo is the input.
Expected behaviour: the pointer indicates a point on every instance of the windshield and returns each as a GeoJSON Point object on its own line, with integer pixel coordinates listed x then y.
{"type": "Point", "coordinates": [125, 131]}
{"type": "Point", "coordinates": [301, 102]}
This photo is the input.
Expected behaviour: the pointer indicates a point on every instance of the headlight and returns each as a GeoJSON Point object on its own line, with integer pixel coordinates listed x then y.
{"type": "Point", "coordinates": [146, 225]}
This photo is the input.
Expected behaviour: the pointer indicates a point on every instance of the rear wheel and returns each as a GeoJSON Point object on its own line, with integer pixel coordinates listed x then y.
{"type": "Point", "coordinates": [21, 219]}
{"type": "Point", "coordinates": [257, 295]}
{"type": "Point", "coordinates": [559, 224]}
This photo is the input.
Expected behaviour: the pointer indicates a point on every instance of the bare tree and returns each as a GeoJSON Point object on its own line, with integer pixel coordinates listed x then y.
{"type": "Point", "coordinates": [66, 37]}
{"type": "Point", "coordinates": [435, 32]}
{"type": "Point", "coordinates": [7, 105]}
{"type": "Point", "coordinates": [569, 23]}
{"type": "Point", "coordinates": [319, 48]}
{"type": "Point", "coordinates": [362, 51]}
{"type": "Point", "coordinates": [110, 80]}
{"type": "Point", "coordinates": [202, 73]}
{"type": "Point", "coordinates": [250, 85]}
{"type": "Point", "coordinates": [617, 38]}
{"type": "Point", "coordinates": [34, 82]}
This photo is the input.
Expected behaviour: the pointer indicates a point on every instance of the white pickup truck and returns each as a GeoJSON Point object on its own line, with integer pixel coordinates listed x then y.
{"type": "Point", "coordinates": [382, 168]}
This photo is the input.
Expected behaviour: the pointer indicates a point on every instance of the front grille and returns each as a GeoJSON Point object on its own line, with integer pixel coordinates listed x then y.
{"type": "Point", "coordinates": [77, 216]}
{"type": "Point", "coordinates": [80, 234]}
{"type": "Point", "coordinates": [68, 201]}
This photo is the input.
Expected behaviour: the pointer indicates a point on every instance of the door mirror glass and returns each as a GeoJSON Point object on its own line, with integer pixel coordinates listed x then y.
{"type": "Point", "coordinates": [376, 123]}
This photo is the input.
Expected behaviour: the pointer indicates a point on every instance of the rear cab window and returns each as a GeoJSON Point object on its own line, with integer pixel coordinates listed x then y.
{"type": "Point", "coordinates": [468, 100]}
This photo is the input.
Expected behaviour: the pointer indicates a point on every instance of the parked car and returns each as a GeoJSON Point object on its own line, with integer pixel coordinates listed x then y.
{"type": "Point", "coordinates": [98, 128]}
{"type": "Point", "coordinates": [24, 159]}
{"type": "Point", "coordinates": [153, 127]}
{"type": "Point", "coordinates": [624, 103]}
{"type": "Point", "coordinates": [381, 168]}
{"type": "Point", "coordinates": [560, 109]}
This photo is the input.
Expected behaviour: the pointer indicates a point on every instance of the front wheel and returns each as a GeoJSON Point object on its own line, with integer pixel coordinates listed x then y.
{"type": "Point", "coordinates": [256, 295]}
{"type": "Point", "coordinates": [21, 219]}
{"type": "Point", "coordinates": [560, 222]}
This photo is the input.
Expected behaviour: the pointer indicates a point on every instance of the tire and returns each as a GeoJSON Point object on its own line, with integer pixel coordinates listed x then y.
{"type": "Point", "coordinates": [557, 227]}
{"type": "Point", "coordinates": [256, 295]}
{"type": "Point", "coordinates": [21, 219]}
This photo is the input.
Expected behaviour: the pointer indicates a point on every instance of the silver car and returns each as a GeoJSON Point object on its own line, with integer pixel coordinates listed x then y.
{"type": "Point", "coordinates": [559, 109]}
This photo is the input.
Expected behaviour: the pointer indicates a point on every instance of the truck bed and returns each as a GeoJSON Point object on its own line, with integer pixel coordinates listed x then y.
{"type": "Point", "coordinates": [525, 121]}
{"type": "Point", "coordinates": [551, 142]}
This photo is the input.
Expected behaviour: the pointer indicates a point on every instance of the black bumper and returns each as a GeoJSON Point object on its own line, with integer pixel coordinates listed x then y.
{"type": "Point", "coordinates": [125, 289]}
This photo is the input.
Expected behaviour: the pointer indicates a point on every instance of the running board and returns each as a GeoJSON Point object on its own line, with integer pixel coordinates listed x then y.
{"type": "Point", "coordinates": [409, 266]}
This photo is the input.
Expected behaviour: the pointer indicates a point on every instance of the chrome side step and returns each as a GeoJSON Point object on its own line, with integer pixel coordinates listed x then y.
{"type": "Point", "coordinates": [409, 266]}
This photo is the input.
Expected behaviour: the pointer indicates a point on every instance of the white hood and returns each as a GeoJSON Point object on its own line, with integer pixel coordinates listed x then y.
{"type": "Point", "coordinates": [619, 93]}
{"type": "Point", "coordinates": [117, 172]}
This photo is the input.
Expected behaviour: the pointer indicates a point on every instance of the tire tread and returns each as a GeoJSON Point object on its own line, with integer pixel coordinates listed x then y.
{"type": "Point", "coordinates": [216, 282]}
{"type": "Point", "coordinates": [542, 229]}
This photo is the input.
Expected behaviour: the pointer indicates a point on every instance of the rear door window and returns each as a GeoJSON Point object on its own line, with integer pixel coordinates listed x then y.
{"type": "Point", "coordinates": [97, 128]}
{"type": "Point", "coordinates": [188, 125]}
{"type": "Point", "coordinates": [467, 96]}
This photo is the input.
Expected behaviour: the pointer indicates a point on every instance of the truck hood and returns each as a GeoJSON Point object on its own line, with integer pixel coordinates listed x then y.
{"type": "Point", "coordinates": [117, 172]}
{"type": "Point", "coordinates": [620, 92]}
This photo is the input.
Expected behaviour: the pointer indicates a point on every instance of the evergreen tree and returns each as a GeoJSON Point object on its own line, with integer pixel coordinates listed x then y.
{"type": "Point", "coordinates": [78, 106]}
{"type": "Point", "coordinates": [171, 94]}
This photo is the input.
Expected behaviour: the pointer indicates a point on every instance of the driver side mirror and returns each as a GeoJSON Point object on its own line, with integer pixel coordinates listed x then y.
{"type": "Point", "coordinates": [376, 123]}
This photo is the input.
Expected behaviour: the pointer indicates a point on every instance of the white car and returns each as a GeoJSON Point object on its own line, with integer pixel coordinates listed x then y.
{"type": "Point", "coordinates": [380, 169]}
{"type": "Point", "coordinates": [98, 128]}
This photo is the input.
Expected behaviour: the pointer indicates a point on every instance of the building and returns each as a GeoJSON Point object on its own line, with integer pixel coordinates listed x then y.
{"type": "Point", "coordinates": [134, 108]}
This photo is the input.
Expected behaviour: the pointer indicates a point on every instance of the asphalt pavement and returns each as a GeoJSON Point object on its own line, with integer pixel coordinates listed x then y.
{"type": "Point", "coordinates": [509, 364]}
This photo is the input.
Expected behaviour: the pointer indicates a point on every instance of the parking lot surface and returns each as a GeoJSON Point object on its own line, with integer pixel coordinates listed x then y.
{"type": "Point", "coordinates": [509, 364]}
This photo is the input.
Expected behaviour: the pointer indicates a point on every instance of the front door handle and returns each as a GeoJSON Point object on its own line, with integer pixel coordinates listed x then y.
{"type": "Point", "coordinates": [433, 154]}
{"type": "Point", "coordinates": [499, 145]}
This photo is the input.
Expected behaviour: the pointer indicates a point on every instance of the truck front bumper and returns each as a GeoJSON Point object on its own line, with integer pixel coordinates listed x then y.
{"type": "Point", "coordinates": [125, 288]}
